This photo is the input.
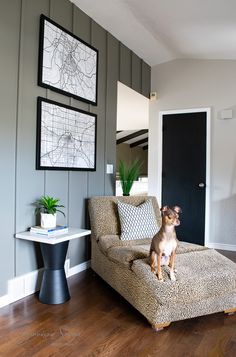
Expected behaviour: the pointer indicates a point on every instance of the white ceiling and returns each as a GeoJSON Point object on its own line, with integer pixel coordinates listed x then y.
{"type": "Point", "coordinates": [163, 30]}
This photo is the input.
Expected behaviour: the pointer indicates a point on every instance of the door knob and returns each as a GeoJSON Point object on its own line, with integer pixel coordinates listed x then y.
{"type": "Point", "coordinates": [201, 184]}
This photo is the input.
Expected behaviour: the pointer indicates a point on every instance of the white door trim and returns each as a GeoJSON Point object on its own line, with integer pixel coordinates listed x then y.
{"type": "Point", "coordinates": [208, 151]}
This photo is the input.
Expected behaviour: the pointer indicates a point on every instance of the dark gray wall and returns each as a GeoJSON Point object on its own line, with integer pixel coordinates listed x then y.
{"type": "Point", "coordinates": [21, 184]}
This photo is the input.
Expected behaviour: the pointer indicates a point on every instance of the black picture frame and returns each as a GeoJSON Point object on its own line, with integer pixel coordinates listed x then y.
{"type": "Point", "coordinates": [67, 64]}
{"type": "Point", "coordinates": [66, 137]}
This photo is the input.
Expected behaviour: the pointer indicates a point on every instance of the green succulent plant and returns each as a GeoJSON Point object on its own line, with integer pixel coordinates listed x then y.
{"type": "Point", "coordinates": [128, 174]}
{"type": "Point", "coordinates": [47, 204]}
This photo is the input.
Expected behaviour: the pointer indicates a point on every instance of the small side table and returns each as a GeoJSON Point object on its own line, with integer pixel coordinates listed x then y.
{"type": "Point", "coordinates": [54, 288]}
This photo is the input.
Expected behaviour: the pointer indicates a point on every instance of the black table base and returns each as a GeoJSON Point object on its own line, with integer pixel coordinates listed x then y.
{"type": "Point", "coordinates": [54, 288]}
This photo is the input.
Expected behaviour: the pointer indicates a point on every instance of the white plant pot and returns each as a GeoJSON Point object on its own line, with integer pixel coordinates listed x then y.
{"type": "Point", "coordinates": [48, 220]}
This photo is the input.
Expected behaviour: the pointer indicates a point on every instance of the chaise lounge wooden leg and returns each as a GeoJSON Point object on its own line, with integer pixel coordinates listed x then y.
{"type": "Point", "coordinates": [230, 311]}
{"type": "Point", "coordinates": [159, 327]}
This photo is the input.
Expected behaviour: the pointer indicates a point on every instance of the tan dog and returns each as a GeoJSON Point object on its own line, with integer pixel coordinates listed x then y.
{"type": "Point", "coordinates": [164, 243]}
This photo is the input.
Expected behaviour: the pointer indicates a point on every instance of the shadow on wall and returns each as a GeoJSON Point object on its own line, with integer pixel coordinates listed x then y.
{"type": "Point", "coordinates": [223, 222]}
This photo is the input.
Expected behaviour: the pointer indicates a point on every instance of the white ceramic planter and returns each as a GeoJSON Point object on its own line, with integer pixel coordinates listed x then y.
{"type": "Point", "coordinates": [48, 220]}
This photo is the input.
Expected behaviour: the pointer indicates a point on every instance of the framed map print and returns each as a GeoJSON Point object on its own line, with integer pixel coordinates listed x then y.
{"type": "Point", "coordinates": [67, 64]}
{"type": "Point", "coordinates": [66, 137]}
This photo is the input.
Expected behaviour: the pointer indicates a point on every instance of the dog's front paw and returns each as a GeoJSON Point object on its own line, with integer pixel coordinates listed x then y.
{"type": "Point", "coordinates": [160, 278]}
{"type": "Point", "coordinates": [172, 276]}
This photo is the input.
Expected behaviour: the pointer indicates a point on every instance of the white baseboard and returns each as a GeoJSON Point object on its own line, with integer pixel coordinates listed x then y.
{"type": "Point", "coordinates": [78, 268]}
{"type": "Point", "coordinates": [24, 285]}
{"type": "Point", "coordinates": [222, 246]}
{"type": "Point", "coordinates": [4, 300]}
{"type": "Point", "coordinates": [28, 284]}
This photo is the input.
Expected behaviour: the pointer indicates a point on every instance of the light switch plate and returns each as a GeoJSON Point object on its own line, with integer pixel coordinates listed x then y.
{"type": "Point", "coordinates": [109, 169]}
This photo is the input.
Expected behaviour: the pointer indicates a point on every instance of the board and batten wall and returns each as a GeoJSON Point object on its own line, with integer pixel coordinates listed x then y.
{"type": "Point", "coordinates": [21, 183]}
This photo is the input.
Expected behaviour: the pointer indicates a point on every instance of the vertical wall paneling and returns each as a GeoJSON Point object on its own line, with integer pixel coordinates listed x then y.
{"type": "Point", "coordinates": [82, 29]}
{"type": "Point", "coordinates": [111, 109]}
{"type": "Point", "coordinates": [21, 183]}
{"type": "Point", "coordinates": [77, 212]}
{"type": "Point", "coordinates": [125, 65]}
{"type": "Point", "coordinates": [146, 79]}
{"type": "Point", "coordinates": [30, 183]}
{"type": "Point", "coordinates": [61, 12]}
{"type": "Point", "coordinates": [78, 180]}
{"type": "Point", "coordinates": [56, 182]}
{"type": "Point", "coordinates": [96, 178]}
{"type": "Point", "coordinates": [136, 73]}
{"type": "Point", "coordinates": [9, 47]}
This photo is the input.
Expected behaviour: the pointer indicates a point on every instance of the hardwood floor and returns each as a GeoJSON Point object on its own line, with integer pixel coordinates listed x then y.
{"type": "Point", "coordinates": [99, 322]}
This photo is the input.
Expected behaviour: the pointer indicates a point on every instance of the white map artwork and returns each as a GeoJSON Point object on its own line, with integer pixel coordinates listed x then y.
{"type": "Point", "coordinates": [67, 138]}
{"type": "Point", "coordinates": [68, 64]}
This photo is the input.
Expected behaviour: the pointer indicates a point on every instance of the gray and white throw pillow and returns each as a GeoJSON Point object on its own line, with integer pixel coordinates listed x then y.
{"type": "Point", "coordinates": [137, 222]}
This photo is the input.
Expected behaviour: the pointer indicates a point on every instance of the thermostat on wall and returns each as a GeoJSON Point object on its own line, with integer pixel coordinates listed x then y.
{"type": "Point", "coordinates": [226, 114]}
{"type": "Point", "coordinates": [153, 96]}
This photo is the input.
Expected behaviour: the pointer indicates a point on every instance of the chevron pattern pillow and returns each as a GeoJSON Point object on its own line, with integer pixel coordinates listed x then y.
{"type": "Point", "coordinates": [137, 222]}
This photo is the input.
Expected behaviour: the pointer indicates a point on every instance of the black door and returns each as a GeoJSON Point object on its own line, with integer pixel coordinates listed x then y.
{"type": "Point", "coordinates": [184, 171]}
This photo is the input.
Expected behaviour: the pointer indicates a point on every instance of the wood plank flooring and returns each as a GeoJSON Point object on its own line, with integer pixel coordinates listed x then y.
{"type": "Point", "coordinates": [98, 322]}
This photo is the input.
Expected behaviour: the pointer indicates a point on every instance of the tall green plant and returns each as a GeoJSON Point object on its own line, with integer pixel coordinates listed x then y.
{"type": "Point", "coordinates": [47, 204]}
{"type": "Point", "coordinates": [128, 174]}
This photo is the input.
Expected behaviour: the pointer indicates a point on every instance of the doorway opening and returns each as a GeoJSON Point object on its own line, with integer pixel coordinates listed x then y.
{"type": "Point", "coordinates": [132, 136]}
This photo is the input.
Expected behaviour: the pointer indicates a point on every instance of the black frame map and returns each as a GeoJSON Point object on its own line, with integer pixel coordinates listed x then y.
{"type": "Point", "coordinates": [66, 137]}
{"type": "Point", "coordinates": [67, 64]}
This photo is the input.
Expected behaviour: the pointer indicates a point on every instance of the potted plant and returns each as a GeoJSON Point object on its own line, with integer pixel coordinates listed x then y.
{"type": "Point", "coordinates": [128, 174]}
{"type": "Point", "coordinates": [48, 207]}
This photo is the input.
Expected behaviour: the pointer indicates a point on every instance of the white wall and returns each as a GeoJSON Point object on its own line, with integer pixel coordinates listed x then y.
{"type": "Point", "coordinates": [132, 109]}
{"type": "Point", "coordinates": [185, 84]}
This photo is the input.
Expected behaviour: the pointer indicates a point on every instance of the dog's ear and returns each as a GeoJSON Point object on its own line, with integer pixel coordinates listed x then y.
{"type": "Point", "coordinates": [177, 209]}
{"type": "Point", "coordinates": [164, 210]}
